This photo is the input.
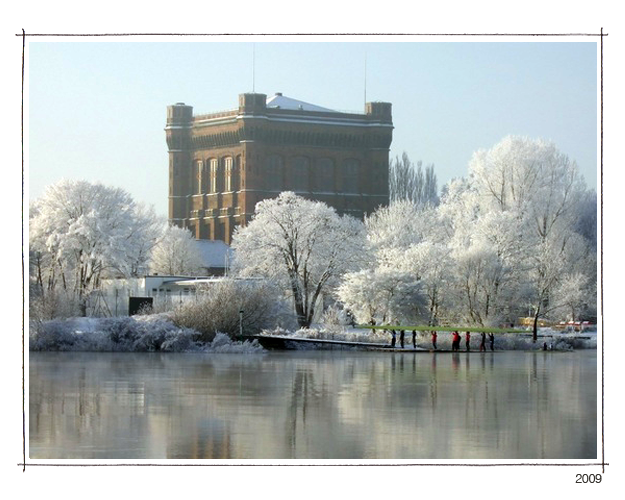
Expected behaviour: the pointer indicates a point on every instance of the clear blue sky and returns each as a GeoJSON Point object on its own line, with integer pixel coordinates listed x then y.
{"type": "Point", "coordinates": [96, 109]}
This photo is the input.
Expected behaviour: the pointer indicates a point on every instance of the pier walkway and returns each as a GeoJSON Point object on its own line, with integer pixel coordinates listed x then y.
{"type": "Point", "coordinates": [288, 342]}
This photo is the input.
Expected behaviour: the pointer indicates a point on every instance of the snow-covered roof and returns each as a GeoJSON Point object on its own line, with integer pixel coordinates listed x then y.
{"type": "Point", "coordinates": [282, 102]}
{"type": "Point", "coordinates": [207, 281]}
{"type": "Point", "coordinates": [214, 253]}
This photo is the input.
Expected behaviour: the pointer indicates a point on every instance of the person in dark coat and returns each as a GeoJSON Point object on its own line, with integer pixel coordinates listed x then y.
{"type": "Point", "coordinates": [402, 336]}
{"type": "Point", "coordinates": [468, 340]}
{"type": "Point", "coordinates": [491, 339]}
{"type": "Point", "coordinates": [414, 339]}
{"type": "Point", "coordinates": [394, 338]}
{"type": "Point", "coordinates": [483, 342]}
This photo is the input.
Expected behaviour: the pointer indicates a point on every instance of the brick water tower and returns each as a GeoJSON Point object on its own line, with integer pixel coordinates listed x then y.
{"type": "Point", "coordinates": [222, 164]}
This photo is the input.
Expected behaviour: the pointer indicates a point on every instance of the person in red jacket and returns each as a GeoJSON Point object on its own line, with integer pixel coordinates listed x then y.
{"type": "Point", "coordinates": [434, 336]}
{"type": "Point", "coordinates": [455, 344]}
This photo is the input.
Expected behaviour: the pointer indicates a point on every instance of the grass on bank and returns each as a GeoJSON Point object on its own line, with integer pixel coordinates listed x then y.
{"type": "Point", "coordinates": [425, 328]}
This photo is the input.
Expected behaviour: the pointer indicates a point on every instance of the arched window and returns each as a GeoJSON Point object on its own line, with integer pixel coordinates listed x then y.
{"type": "Point", "coordinates": [300, 174]}
{"type": "Point", "coordinates": [237, 183]}
{"type": "Point", "coordinates": [324, 175]}
{"type": "Point", "coordinates": [273, 172]}
{"type": "Point", "coordinates": [214, 167]}
{"type": "Point", "coordinates": [350, 176]}
{"type": "Point", "coordinates": [228, 175]}
{"type": "Point", "coordinates": [199, 170]}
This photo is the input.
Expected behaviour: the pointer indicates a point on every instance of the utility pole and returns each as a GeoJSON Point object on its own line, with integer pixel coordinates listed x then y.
{"type": "Point", "coordinates": [241, 324]}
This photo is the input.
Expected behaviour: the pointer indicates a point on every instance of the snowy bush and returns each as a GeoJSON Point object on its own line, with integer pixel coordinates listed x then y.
{"type": "Point", "coordinates": [55, 335]}
{"type": "Point", "coordinates": [129, 334]}
{"type": "Point", "coordinates": [223, 344]}
{"type": "Point", "coordinates": [217, 309]}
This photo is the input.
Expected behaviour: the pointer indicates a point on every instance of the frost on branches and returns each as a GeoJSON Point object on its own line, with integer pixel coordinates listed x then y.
{"type": "Point", "coordinates": [81, 232]}
{"type": "Point", "coordinates": [176, 253]}
{"type": "Point", "coordinates": [516, 237]}
{"type": "Point", "coordinates": [539, 191]}
{"type": "Point", "coordinates": [303, 245]}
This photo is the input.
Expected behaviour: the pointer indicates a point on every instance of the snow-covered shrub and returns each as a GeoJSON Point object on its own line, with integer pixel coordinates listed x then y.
{"type": "Point", "coordinates": [55, 335]}
{"type": "Point", "coordinates": [180, 341]}
{"type": "Point", "coordinates": [126, 334]}
{"type": "Point", "coordinates": [218, 306]}
{"type": "Point", "coordinates": [223, 344]}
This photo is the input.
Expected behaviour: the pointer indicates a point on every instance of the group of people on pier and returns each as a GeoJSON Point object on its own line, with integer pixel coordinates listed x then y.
{"type": "Point", "coordinates": [455, 340]}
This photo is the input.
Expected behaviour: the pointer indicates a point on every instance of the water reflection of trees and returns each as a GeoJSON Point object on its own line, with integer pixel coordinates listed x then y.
{"type": "Point", "coordinates": [314, 405]}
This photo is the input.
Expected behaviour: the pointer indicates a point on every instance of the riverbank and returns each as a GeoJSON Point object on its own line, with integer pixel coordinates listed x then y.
{"type": "Point", "coordinates": [142, 333]}
{"type": "Point", "coordinates": [156, 332]}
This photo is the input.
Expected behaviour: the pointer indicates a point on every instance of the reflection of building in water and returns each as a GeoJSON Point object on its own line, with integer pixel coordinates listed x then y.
{"type": "Point", "coordinates": [222, 164]}
{"type": "Point", "coordinates": [210, 438]}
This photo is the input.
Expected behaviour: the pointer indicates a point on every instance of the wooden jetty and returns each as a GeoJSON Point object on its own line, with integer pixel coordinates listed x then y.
{"type": "Point", "coordinates": [285, 342]}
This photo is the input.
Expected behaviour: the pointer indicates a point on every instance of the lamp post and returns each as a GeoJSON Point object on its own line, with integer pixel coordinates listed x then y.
{"type": "Point", "coordinates": [241, 324]}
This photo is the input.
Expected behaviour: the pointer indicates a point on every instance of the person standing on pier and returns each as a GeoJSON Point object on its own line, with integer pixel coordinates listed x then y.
{"type": "Point", "coordinates": [455, 343]}
{"type": "Point", "coordinates": [394, 338]}
{"type": "Point", "coordinates": [483, 342]}
{"type": "Point", "coordinates": [414, 339]}
{"type": "Point", "coordinates": [468, 341]}
{"type": "Point", "coordinates": [434, 335]}
{"type": "Point", "coordinates": [491, 339]}
{"type": "Point", "coordinates": [402, 336]}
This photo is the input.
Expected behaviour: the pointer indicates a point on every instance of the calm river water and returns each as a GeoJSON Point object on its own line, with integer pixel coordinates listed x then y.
{"type": "Point", "coordinates": [313, 405]}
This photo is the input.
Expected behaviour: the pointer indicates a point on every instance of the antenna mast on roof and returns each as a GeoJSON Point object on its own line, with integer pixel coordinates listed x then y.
{"type": "Point", "coordinates": [365, 80]}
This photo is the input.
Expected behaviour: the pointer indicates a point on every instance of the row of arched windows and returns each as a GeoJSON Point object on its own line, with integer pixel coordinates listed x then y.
{"type": "Point", "coordinates": [321, 174]}
{"type": "Point", "coordinates": [217, 175]}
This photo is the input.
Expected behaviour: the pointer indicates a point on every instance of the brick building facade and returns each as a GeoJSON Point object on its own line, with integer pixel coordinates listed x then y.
{"type": "Point", "coordinates": [222, 164]}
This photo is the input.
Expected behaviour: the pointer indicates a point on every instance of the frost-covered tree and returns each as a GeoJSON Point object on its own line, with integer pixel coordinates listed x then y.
{"type": "Point", "coordinates": [142, 242]}
{"type": "Point", "coordinates": [572, 295]}
{"type": "Point", "coordinates": [429, 263]}
{"type": "Point", "coordinates": [409, 181]}
{"type": "Point", "coordinates": [303, 245]}
{"type": "Point", "coordinates": [81, 231]}
{"type": "Point", "coordinates": [515, 235]}
{"type": "Point", "coordinates": [176, 253]}
{"type": "Point", "coordinates": [400, 225]}
{"type": "Point", "coordinates": [540, 189]}
{"type": "Point", "coordinates": [391, 284]}
{"type": "Point", "coordinates": [380, 295]}
{"type": "Point", "coordinates": [586, 224]}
